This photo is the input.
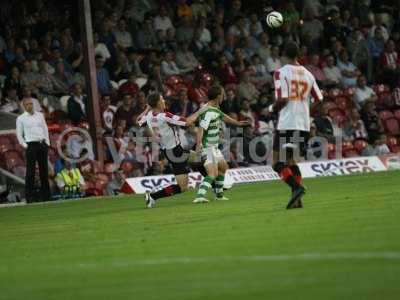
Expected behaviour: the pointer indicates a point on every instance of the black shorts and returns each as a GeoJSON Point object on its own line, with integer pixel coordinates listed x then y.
{"type": "Point", "coordinates": [298, 138]}
{"type": "Point", "coordinates": [178, 158]}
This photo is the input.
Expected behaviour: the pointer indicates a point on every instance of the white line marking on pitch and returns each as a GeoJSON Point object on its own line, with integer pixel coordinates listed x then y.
{"type": "Point", "coordinates": [253, 258]}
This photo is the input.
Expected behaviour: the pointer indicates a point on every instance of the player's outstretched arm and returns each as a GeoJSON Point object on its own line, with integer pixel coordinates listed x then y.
{"type": "Point", "coordinates": [193, 118]}
{"type": "Point", "coordinates": [199, 139]}
{"type": "Point", "coordinates": [141, 119]}
{"type": "Point", "coordinates": [227, 119]}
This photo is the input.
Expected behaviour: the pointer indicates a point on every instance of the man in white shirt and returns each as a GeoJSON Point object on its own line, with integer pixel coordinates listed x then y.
{"type": "Point", "coordinates": [332, 72]}
{"type": "Point", "coordinates": [123, 37]}
{"type": "Point", "coordinates": [33, 135]}
{"type": "Point", "coordinates": [162, 20]}
{"type": "Point", "coordinates": [363, 93]}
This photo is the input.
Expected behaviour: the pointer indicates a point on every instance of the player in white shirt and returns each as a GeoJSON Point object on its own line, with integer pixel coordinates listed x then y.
{"type": "Point", "coordinates": [295, 87]}
{"type": "Point", "coordinates": [162, 125]}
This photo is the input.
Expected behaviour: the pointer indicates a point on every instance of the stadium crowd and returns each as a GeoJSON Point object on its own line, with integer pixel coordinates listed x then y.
{"type": "Point", "coordinates": [181, 48]}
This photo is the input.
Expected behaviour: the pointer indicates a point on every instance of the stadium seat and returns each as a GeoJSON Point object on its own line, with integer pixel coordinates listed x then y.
{"type": "Point", "coordinates": [384, 100]}
{"type": "Point", "coordinates": [360, 145]}
{"type": "Point", "coordinates": [343, 103]}
{"type": "Point", "coordinates": [6, 145]}
{"type": "Point", "coordinates": [392, 126]}
{"type": "Point", "coordinates": [333, 93]}
{"type": "Point", "coordinates": [393, 144]}
{"type": "Point", "coordinates": [397, 114]}
{"type": "Point", "coordinates": [349, 92]}
{"type": "Point", "coordinates": [385, 114]}
{"type": "Point", "coordinates": [127, 167]}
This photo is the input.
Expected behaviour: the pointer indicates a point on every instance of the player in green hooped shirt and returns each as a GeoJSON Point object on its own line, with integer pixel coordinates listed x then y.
{"type": "Point", "coordinates": [207, 144]}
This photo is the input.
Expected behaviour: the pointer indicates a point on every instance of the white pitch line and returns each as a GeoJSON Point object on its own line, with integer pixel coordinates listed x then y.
{"type": "Point", "coordinates": [336, 256]}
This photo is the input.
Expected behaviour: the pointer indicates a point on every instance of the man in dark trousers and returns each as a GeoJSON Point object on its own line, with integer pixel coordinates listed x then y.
{"type": "Point", "coordinates": [33, 135]}
{"type": "Point", "coordinates": [77, 105]}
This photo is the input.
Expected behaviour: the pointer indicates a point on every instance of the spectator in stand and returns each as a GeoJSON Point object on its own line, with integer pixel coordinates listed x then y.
{"type": "Point", "coordinates": [363, 93]}
{"type": "Point", "coordinates": [10, 103]}
{"type": "Point", "coordinates": [197, 92]}
{"type": "Point", "coordinates": [324, 125]}
{"type": "Point", "coordinates": [303, 56]}
{"type": "Point", "coordinates": [240, 62]}
{"type": "Point", "coordinates": [312, 29]}
{"type": "Point", "coordinates": [354, 127]}
{"type": "Point", "coordinates": [200, 9]}
{"type": "Point", "coordinates": [126, 111]}
{"type": "Point", "coordinates": [332, 73]}
{"type": "Point", "coordinates": [141, 104]}
{"type": "Point", "coordinates": [183, 10]}
{"type": "Point", "coordinates": [185, 59]}
{"type": "Point", "coordinates": [130, 86]}
{"type": "Point", "coordinates": [27, 95]}
{"type": "Point", "coordinates": [13, 80]}
{"type": "Point", "coordinates": [379, 25]}
{"type": "Point", "coordinates": [182, 106]}
{"type": "Point", "coordinates": [168, 65]}
{"type": "Point", "coordinates": [371, 121]}
{"type": "Point", "coordinates": [77, 105]}
{"type": "Point", "coordinates": [225, 72]}
{"type": "Point", "coordinates": [231, 103]}
{"type": "Point", "coordinates": [108, 113]}
{"type": "Point", "coordinates": [247, 114]}
{"type": "Point", "coordinates": [376, 45]}
{"type": "Point", "coordinates": [234, 11]}
{"type": "Point", "coordinates": [390, 64]}
{"type": "Point", "coordinates": [205, 35]}
{"type": "Point", "coordinates": [120, 69]}
{"type": "Point", "coordinates": [146, 37]}
{"type": "Point", "coordinates": [100, 49]}
{"type": "Point", "coordinates": [47, 83]}
{"type": "Point", "coordinates": [123, 36]}
{"type": "Point", "coordinates": [162, 21]}
{"type": "Point", "coordinates": [185, 31]}
{"type": "Point", "coordinates": [171, 40]}
{"type": "Point", "coordinates": [162, 44]}
{"type": "Point", "coordinates": [107, 36]}
{"type": "Point", "coordinates": [264, 50]}
{"type": "Point", "coordinates": [28, 77]}
{"type": "Point", "coordinates": [259, 71]}
{"type": "Point", "coordinates": [381, 148]}
{"type": "Point", "coordinates": [254, 22]}
{"type": "Point", "coordinates": [238, 29]}
{"type": "Point", "coordinates": [274, 61]}
{"type": "Point", "coordinates": [348, 69]}
{"type": "Point", "coordinates": [103, 77]}
{"type": "Point", "coordinates": [360, 53]}
{"type": "Point", "coordinates": [229, 49]}
{"type": "Point", "coordinates": [316, 71]}
{"type": "Point", "coordinates": [135, 60]}
{"type": "Point", "coordinates": [247, 90]}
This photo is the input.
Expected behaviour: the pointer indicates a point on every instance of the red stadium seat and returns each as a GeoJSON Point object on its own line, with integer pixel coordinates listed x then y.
{"type": "Point", "coordinates": [385, 114]}
{"type": "Point", "coordinates": [343, 103]}
{"type": "Point", "coordinates": [174, 80]}
{"type": "Point", "coordinates": [333, 93]}
{"type": "Point", "coordinates": [360, 145]}
{"type": "Point", "coordinates": [384, 100]}
{"type": "Point", "coordinates": [392, 126]}
{"type": "Point", "coordinates": [349, 92]}
{"type": "Point", "coordinates": [397, 114]}
{"type": "Point", "coordinates": [127, 167]}
{"type": "Point", "coordinates": [393, 144]}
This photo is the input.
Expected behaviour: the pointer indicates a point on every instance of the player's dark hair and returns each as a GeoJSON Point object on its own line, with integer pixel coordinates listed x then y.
{"type": "Point", "coordinates": [214, 92]}
{"type": "Point", "coordinates": [153, 99]}
{"type": "Point", "coordinates": [292, 50]}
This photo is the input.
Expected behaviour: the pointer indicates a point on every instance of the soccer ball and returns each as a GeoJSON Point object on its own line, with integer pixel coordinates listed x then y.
{"type": "Point", "coordinates": [274, 19]}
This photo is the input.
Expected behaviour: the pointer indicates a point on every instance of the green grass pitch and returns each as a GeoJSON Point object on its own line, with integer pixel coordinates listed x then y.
{"type": "Point", "coordinates": [345, 244]}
